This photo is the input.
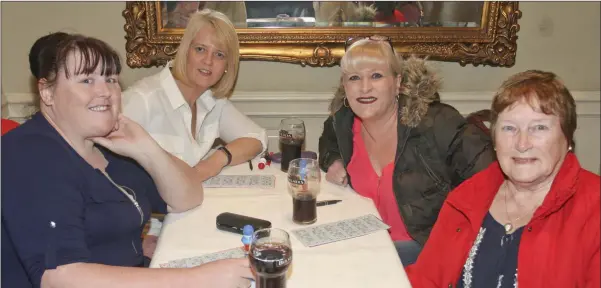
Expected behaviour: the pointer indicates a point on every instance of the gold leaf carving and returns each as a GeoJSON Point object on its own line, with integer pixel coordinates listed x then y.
{"type": "Point", "coordinates": [493, 43]}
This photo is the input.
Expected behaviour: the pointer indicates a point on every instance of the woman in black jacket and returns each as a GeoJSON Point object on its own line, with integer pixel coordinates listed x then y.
{"type": "Point", "coordinates": [392, 140]}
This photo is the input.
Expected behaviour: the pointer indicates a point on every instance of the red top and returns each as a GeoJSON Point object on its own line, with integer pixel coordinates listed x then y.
{"type": "Point", "coordinates": [379, 189]}
{"type": "Point", "coordinates": [559, 246]}
{"type": "Point", "coordinates": [8, 125]}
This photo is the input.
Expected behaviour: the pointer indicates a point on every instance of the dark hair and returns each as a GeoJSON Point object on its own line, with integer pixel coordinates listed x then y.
{"type": "Point", "coordinates": [49, 55]}
{"type": "Point", "coordinates": [39, 51]}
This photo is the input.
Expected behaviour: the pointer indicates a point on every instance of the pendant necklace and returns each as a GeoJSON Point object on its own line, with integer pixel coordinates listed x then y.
{"type": "Point", "coordinates": [509, 225]}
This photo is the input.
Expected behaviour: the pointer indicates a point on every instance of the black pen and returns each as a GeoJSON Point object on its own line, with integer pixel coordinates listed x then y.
{"type": "Point", "coordinates": [250, 165]}
{"type": "Point", "coordinates": [327, 202]}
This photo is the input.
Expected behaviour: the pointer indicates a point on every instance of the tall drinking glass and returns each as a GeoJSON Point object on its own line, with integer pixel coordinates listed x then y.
{"type": "Point", "coordinates": [304, 178]}
{"type": "Point", "coordinates": [292, 137]}
{"type": "Point", "coordinates": [270, 256]}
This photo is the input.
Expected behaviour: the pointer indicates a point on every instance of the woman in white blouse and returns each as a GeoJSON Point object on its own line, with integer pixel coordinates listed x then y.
{"type": "Point", "coordinates": [185, 107]}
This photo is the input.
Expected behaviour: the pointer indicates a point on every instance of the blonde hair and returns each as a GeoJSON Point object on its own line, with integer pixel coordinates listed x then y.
{"type": "Point", "coordinates": [365, 52]}
{"type": "Point", "coordinates": [370, 52]}
{"type": "Point", "coordinates": [225, 32]}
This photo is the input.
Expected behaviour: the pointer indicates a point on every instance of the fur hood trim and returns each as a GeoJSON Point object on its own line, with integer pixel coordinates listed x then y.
{"type": "Point", "coordinates": [419, 88]}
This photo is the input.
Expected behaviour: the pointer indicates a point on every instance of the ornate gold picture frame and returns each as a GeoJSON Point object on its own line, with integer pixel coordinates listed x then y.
{"type": "Point", "coordinates": [492, 42]}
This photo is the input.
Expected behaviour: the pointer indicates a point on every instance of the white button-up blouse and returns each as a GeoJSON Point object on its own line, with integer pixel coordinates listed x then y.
{"type": "Point", "coordinates": [157, 104]}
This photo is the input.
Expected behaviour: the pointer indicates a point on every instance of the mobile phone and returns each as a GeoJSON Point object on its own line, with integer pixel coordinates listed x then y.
{"type": "Point", "coordinates": [235, 222]}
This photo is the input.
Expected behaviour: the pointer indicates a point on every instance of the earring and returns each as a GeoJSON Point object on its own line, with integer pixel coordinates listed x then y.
{"type": "Point", "coordinates": [345, 102]}
{"type": "Point", "coordinates": [225, 71]}
{"type": "Point", "coordinates": [398, 98]}
{"type": "Point", "coordinates": [570, 148]}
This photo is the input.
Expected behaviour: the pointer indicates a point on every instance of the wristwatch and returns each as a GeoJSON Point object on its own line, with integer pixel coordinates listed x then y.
{"type": "Point", "coordinates": [228, 154]}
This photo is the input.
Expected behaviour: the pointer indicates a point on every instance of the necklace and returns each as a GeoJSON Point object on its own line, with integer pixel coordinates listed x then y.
{"type": "Point", "coordinates": [387, 135]}
{"type": "Point", "coordinates": [131, 196]}
{"type": "Point", "coordinates": [509, 225]}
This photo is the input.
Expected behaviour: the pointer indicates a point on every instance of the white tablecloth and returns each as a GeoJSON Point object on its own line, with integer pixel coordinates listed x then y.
{"type": "Point", "coordinates": [368, 261]}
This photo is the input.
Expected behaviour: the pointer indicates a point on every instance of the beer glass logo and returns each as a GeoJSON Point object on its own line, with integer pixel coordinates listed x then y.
{"type": "Point", "coordinates": [296, 180]}
{"type": "Point", "coordinates": [285, 134]}
{"type": "Point", "coordinates": [283, 262]}
{"type": "Point", "coordinates": [257, 254]}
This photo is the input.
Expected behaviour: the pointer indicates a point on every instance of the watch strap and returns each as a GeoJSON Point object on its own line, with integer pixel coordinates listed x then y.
{"type": "Point", "coordinates": [228, 154]}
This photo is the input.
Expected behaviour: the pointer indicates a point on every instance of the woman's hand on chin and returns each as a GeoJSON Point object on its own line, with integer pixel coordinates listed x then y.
{"type": "Point", "coordinates": [128, 138]}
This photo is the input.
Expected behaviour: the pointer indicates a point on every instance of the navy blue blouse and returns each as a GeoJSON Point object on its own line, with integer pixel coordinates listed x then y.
{"type": "Point", "coordinates": [493, 258]}
{"type": "Point", "coordinates": [60, 210]}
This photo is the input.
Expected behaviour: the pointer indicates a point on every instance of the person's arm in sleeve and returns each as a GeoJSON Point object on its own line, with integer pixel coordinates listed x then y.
{"type": "Point", "coordinates": [593, 260]}
{"type": "Point", "coordinates": [245, 139]}
{"type": "Point", "coordinates": [467, 148]}
{"type": "Point", "coordinates": [43, 209]}
{"type": "Point", "coordinates": [427, 270]}
{"type": "Point", "coordinates": [593, 276]}
{"type": "Point", "coordinates": [328, 145]}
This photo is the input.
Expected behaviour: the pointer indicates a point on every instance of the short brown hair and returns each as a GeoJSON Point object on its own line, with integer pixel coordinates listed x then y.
{"type": "Point", "coordinates": [542, 89]}
{"type": "Point", "coordinates": [226, 32]}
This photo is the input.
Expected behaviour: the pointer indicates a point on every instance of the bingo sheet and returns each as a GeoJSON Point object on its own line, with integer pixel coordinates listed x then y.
{"type": "Point", "coordinates": [340, 230]}
{"type": "Point", "coordinates": [241, 181]}
{"type": "Point", "coordinates": [203, 259]}
{"type": "Point", "coordinates": [206, 258]}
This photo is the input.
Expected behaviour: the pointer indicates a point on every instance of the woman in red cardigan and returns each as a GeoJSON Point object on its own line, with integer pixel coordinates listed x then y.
{"type": "Point", "coordinates": [533, 217]}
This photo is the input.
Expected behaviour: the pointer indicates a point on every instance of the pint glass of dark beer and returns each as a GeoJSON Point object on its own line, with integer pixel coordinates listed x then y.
{"type": "Point", "coordinates": [292, 137]}
{"type": "Point", "coordinates": [270, 255]}
{"type": "Point", "coordinates": [304, 178]}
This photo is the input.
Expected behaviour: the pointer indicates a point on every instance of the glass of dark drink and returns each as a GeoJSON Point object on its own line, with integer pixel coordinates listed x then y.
{"type": "Point", "coordinates": [292, 137]}
{"type": "Point", "coordinates": [304, 178]}
{"type": "Point", "coordinates": [270, 256]}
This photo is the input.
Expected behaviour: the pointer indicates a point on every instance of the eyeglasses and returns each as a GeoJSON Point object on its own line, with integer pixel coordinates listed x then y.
{"type": "Point", "coordinates": [351, 40]}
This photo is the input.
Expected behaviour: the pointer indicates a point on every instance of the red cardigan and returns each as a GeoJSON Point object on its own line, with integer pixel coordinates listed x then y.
{"type": "Point", "coordinates": [559, 246]}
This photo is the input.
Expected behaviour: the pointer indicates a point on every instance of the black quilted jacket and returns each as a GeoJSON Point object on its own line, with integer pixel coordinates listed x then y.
{"type": "Point", "coordinates": [437, 150]}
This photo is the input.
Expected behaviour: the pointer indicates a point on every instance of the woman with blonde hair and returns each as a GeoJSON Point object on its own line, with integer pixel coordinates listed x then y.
{"type": "Point", "coordinates": [185, 107]}
{"type": "Point", "coordinates": [393, 141]}
{"type": "Point", "coordinates": [532, 218]}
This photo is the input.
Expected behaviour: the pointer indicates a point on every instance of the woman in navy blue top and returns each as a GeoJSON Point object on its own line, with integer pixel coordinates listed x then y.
{"type": "Point", "coordinates": [79, 180]}
{"type": "Point", "coordinates": [493, 258]}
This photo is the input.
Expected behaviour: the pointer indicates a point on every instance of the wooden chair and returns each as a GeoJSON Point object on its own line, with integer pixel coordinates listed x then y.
{"type": "Point", "coordinates": [8, 125]}
{"type": "Point", "coordinates": [479, 118]}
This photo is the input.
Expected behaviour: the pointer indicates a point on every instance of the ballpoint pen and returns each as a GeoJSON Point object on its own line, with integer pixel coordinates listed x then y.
{"type": "Point", "coordinates": [327, 202]}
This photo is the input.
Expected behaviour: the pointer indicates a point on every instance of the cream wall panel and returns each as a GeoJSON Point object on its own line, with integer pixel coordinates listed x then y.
{"type": "Point", "coordinates": [559, 36]}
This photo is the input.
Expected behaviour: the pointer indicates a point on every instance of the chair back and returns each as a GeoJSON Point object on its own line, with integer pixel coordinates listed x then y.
{"type": "Point", "coordinates": [479, 118]}
{"type": "Point", "coordinates": [8, 125]}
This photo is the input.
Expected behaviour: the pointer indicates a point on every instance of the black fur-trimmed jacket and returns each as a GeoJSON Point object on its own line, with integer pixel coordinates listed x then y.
{"type": "Point", "coordinates": [437, 149]}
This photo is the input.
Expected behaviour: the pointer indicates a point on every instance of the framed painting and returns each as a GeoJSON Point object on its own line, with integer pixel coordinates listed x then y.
{"type": "Point", "coordinates": [314, 33]}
